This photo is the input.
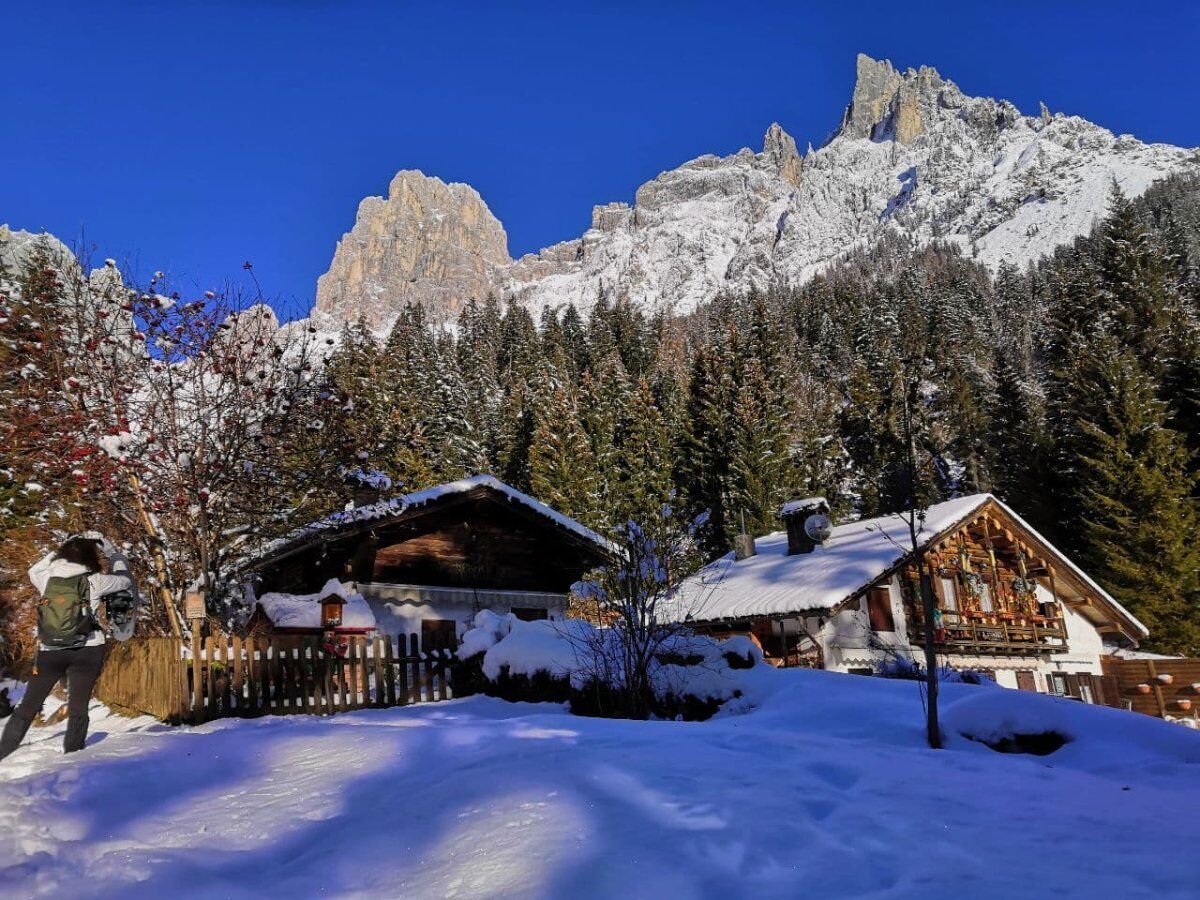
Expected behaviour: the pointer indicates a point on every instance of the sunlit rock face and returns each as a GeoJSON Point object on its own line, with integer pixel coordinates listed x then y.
{"type": "Point", "coordinates": [426, 242]}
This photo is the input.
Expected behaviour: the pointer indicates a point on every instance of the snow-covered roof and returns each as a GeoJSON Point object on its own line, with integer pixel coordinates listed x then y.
{"type": "Point", "coordinates": [304, 610]}
{"type": "Point", "coordinates": [397, 505]}
{"type": "Point", "coordinates": [1126, 653]}
{"type": "Point", "coordinates": [855, 555]}
{"type": "Point", "coordinates": [795, 506]}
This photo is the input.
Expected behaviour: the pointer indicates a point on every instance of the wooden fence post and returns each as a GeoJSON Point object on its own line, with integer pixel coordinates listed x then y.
{"type": "Point", "coordinates": [414, 654]}
{"type": "Point", "coordinates": [402, 664]}
{"type": "Point", "coordinates": [389, 671]}
{"type": "Point", "coordinates": [197, 676]}
{"type": "Point", "coordinates": [251, 675]}
{"type": "Point", "coordinates": [379, 689]}
{"type": "Point", "coordinates": [272, 685]}
{"type": "Point", "coordinates": [428, 679]}
{"type": "Point", "coordinates": [237, 683]}
{"type": "Point", "coordinates": [210, 654]}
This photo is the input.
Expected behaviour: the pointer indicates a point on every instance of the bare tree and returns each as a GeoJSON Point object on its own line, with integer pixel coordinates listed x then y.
{"type": "Point", "coordinates": [201, 423]}
{"type": "Point", "coordinates": [638, 599]}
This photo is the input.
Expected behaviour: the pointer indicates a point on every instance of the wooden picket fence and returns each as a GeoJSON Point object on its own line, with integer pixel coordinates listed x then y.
{"type": "Point", "coordinates": [273, 675]}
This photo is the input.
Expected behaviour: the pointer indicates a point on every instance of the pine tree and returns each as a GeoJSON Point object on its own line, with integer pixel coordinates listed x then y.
{"type": "Point", "coordinates": [562, 468]}
{"type": "Point", "coordinates": [1139, 293]}
{"type": "Point", "coordinates": [703, 465]}
{"type": "Point", "coordinates": [1018, 441]}
{"type": "Point", "coordinates": [643, 459]}
{"type": "Point", "coordinates": [1139, 524]}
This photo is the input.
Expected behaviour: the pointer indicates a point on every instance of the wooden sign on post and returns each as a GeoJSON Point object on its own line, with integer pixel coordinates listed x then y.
{"type": "Point", "coordinates": [193, 603]}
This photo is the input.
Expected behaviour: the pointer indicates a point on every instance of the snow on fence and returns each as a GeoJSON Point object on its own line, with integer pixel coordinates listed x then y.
{"type": "Point", "coordinates": [275, 675]}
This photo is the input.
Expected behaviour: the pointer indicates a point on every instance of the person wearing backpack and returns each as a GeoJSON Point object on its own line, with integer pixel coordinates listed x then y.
{"type": "Point", "coordinates": [73, 585]}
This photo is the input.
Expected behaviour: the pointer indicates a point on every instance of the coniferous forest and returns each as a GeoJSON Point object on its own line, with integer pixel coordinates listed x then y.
{"type": "Point", "coordinates": [1072, 391]}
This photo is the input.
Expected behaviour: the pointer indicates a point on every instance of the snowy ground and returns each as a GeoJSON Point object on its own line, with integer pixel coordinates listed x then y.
{"type": "Point", "coordinates": [826, 791]}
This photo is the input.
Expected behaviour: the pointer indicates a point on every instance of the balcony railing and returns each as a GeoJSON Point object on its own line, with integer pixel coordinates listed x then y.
{"type": "Point", "coordinates": [995, 633]}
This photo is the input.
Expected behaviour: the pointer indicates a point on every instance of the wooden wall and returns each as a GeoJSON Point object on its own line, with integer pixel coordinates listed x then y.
{"type": "Point", "coordinates": [468, 540]}
{"type": "Point", "coordinates": [1162, 699]}
{"type": "Point", "coordinates": [484, 546]}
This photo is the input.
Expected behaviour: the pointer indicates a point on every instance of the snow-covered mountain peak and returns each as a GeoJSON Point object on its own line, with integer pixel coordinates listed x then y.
{"type": "Point", "coordinates": [913, 154]}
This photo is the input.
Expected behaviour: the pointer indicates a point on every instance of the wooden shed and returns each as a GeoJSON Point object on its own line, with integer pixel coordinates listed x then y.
{"type": "Point", "coordinates": [427, 561]}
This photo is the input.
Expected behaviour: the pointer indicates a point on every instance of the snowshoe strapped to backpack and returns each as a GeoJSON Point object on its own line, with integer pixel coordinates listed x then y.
{"type": "Point", "coordinates": [120, 614]}
{"type": "Point", "coordinates": [64, 616]}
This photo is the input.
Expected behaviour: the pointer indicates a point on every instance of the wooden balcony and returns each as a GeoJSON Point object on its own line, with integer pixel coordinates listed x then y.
{"type": "Point", "coordinates": [995, 633]}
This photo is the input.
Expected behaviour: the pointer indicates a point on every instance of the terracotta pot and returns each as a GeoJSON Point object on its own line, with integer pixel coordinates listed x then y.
{"type": "Point", "coordinates": [1164, 678]}
{"type": "Point", "coordinates": [1184, 704]}
{"type": "Point", "coordinates": [1143, 688]}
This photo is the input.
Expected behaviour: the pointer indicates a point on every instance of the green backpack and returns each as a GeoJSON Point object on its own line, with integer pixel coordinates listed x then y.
{"type": "Point", "coordinates": [64, 616]}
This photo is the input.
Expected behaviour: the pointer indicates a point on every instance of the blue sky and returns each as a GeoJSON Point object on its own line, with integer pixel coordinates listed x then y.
{"type": "Point", "coordinates": [190, 136]}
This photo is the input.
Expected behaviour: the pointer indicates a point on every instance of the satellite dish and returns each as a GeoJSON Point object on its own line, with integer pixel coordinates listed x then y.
{"type": "Point", "coordinates": [818, 527]}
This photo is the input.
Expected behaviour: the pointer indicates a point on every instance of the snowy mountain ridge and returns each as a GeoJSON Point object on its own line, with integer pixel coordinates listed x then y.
{"type": "Point", "coordinates": [913, 154]}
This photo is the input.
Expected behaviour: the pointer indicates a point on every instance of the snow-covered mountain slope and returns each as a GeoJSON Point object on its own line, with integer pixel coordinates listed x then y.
{"type": "Point", "coordinates": [913, 153]}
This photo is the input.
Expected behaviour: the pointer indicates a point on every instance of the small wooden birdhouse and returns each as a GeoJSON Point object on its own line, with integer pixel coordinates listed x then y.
{"type": "Point", "coordinates": [331, 610]}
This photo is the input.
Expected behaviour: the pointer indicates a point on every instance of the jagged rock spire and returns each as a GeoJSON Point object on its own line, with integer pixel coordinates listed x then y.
{"type": "Point", "coordinates": [888, 105]}
{"type": "Point", "coordinates": [780, 149]}
{"type": "Point", "coordinates": [427, 242]}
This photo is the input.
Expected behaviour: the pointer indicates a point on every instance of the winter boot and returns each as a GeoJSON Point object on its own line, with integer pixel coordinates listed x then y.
{"type": "Point", "coordinates": [77, 729]}
{"type": "Point", "coordinates": [14, 731]}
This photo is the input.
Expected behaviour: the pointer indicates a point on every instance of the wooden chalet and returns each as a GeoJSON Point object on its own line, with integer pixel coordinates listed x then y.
{"type": "Point", "coordinates": [846, 597]}
{"type": "Point", "coordinates": [426, 562]}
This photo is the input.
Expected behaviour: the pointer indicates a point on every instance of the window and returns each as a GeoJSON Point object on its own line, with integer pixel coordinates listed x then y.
{"type": "Point", "coordinates": [1025, 681]}
{"type": "Point", "coordinates": [860, 671]}
{"type": "Point", "coordinates": [1086, 693]}
{"type": "Point", "coordinates": [1056, 683]}
{"type": "Point", "coordinates": [437, 634]}
{"type": "Point", "coordinates": [879, 608]}
{"type": "Point", "coordinates": [949, 594]}
{"type": "Point", "coordinates": [985, 598]}
{"type": "Point", "coordinates": [530, 613]}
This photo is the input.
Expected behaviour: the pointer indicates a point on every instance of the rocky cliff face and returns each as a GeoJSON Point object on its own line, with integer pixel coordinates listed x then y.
{"type": "Point", "coordinates": [427, 242]}
{"type": "Point", "coordinates": [913, 153]}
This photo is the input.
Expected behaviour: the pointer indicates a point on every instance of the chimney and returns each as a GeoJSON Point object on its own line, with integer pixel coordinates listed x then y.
{"type": "Point", "coordinates": [796, 515]}
{"type": "Point", "coordinates": [743, 547]}
{"type": "Point", "coordinates": [743, 544]}
{"type": "Point", "coordinates": [366, 487]}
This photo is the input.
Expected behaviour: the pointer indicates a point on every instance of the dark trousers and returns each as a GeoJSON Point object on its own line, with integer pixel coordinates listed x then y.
{"type": "Point", "coordinates": [80, 668]}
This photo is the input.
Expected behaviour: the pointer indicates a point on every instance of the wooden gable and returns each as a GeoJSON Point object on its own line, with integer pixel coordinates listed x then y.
{"type": "Point", "coordinates": [983, 571]}
{"type": "Point", "coordinates": [477, 538]}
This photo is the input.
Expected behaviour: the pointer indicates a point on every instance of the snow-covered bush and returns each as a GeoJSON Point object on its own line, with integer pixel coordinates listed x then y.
{"type": "Point", "coordinates": [910, 670]}
{"type": "Point", "coordinates": [690, 676]}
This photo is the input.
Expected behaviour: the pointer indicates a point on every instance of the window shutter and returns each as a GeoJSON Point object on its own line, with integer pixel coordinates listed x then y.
{"type": "Point", "coordinates": [949, 593]}
{"type": "Point", "coordinates": [879, 606]}
{"type": "Point", "coordinates": [1072, 685]}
